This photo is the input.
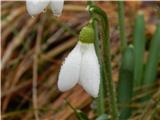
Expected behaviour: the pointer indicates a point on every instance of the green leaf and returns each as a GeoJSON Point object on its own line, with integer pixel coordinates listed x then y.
{"type": "Point", "coordinates": [139, 45]}
{"type": "Point", "coordinates": [153, 59]}
{"type": "Point", "coordinates": [81, 115]}
{"type": "Point", "coordinates": [125, 85]}
{"type": "Point", "coordinates": [103, 117]}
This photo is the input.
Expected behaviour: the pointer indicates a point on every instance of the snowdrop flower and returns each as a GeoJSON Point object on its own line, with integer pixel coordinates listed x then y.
{"type": "Point", "coordinates": [81, 66]}
{"type": "Point", "coordinates": [37, 6]}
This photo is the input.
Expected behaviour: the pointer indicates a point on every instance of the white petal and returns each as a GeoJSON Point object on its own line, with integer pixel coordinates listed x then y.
{"type": "Point", "coordinates": [69, 73]}
{"type": "Point", "coordinates": [36, 6]}
{"type": "Point", "coordinates": [57, 7]}
{"type": "Point", "coordinates": [90, 71]}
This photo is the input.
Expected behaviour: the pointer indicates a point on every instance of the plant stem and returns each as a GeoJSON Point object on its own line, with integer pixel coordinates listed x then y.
{"type": "Point", "coordinates": [101, 98]}
{"type": "Point", "coordinates": [122, 26]}
{"type": "Point", "coordinates": [106, 60]}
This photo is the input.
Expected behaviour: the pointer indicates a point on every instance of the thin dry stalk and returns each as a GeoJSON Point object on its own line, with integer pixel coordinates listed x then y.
{"type": "Point", "coordinates": [12, 17]}
{"type": "Point", "coordinates": [152, 104]}
{"type": "Point", "coordinates": [67, 112]}
{"type": "Point", "coordinates": [76, 8]}
{"type": "Point", "coordinates": [15, 88]}
{"type": "Point", "coordinates": [11, 28]}
{"type": "Point", "coordinates": [59, 49]}
{"type": "Point", "coordinates": [35, 72]}
{"type": "Point", "coordinates": [48, 88]}
{"type": "Point", "coordinates": [55, 37]}
{"type": "Point", "coordinates": [17, 41]}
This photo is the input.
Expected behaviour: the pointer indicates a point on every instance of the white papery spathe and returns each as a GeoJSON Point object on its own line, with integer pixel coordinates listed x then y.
{"type": "Point", "coordinates": [81, 66]}
{"type": "Point", "coordinates": [37, 6]}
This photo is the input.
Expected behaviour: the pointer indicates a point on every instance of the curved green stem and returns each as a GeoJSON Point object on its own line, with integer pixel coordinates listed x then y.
{"type": "Point", "coordinates": [101, 97]}
{"type": "Point", "coordinates": [106, 60]}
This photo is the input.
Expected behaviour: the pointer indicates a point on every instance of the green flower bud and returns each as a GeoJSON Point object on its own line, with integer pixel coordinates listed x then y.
{"type": "Point", "coordinates": [87, 34]}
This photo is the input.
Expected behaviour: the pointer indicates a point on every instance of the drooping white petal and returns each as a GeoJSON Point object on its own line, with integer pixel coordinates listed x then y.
{"type": "Point", "coordinates": [69, 73]}
{"type": "Point", "coordinates": [90, 70]}
{"type": "Point", "coordinates": [57, 6]}
{"type": "Point", "coordinates": [36, 6]}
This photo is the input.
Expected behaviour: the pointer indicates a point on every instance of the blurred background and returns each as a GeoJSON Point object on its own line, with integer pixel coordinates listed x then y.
{"type": "Point", "coordinates": [34, 47]}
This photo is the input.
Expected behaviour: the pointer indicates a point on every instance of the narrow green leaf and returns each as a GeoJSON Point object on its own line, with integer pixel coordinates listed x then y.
{"type": "Point", "coordinates": [103, 117]}
{"type": "Point", "coordinates": [125, 85]}
{"type": "Point", "coordinates": [152, 63]}
{"type": "Point", "coordinates": [81, 115]}
{"type": "Point", "coordinates": [121, 20]}
{"type": "Point", "coordinates": [139, 45]}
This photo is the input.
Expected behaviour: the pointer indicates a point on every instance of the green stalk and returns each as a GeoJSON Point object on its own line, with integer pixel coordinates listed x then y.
{"type": "Point", "coordinates": [139, 44]}
{"type": "Point", "coordinates": [101, 97]}
{"type": "Point", "coordinates": [122, 25]}
{"type": "Point", "coordinates": [106, 60]}
{"type": "Point", "coordinates": [151, 66]}
{"type": "Point", "coordinates": [125, 85]}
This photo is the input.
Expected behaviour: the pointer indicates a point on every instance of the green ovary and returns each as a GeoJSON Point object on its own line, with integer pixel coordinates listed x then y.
{"type": "Point", "coordinates": [87, 34]}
